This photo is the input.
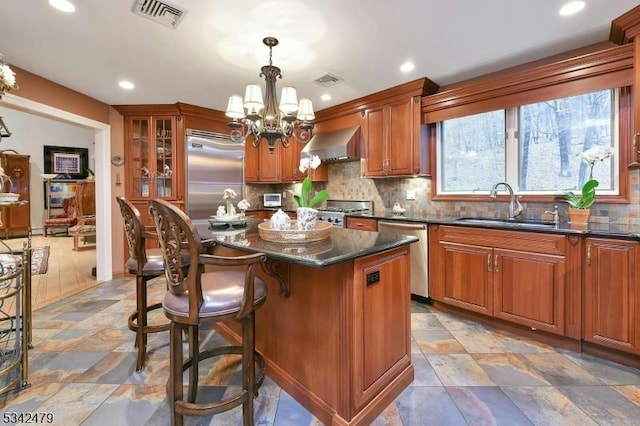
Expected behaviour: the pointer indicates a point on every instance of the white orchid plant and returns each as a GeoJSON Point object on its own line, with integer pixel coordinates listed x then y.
{"type": "Point", "coordinates": [304, 199]}
{"type": "Point", "coordinates": [228, 194]}
{"type": "Point", "coordinates": [587, 195]}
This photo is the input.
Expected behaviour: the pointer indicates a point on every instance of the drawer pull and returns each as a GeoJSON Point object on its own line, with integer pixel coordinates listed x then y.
{"type": "Point", "coordinates": [589, 255]}
{"type": "Point", "coordinates": [489, 263]}
{"type": "Point", "coordinates": [495, 263]}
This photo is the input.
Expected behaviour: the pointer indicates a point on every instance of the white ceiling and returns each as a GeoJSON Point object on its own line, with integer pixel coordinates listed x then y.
{"type": "Point", "coordinates": [217, 48]}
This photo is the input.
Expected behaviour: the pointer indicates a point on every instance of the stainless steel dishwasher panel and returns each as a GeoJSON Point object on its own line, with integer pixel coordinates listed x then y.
{"type": "Point", "coordinates": [419, 252]}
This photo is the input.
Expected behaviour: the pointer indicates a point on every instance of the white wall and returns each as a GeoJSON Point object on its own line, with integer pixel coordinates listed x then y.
{"type": "Point", "coordinates": [30, 133]}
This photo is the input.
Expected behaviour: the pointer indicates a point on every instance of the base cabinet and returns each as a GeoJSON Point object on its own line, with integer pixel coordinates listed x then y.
{"type": "Point", "coordinates": [515, 276]}
{"type": "Point", "coordinates": [612, 294]}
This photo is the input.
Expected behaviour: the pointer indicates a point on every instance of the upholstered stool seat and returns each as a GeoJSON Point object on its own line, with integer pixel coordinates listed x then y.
{"type": "Point", "coordinates": [231, 291]}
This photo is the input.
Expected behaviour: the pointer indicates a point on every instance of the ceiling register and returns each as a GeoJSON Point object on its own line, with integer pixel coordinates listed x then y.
{"type": "Point", "coordinates": [264, 118]}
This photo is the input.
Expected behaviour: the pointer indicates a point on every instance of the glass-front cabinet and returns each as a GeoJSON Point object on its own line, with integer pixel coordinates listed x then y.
{"type": "Point", "coordinates": [152, 159]}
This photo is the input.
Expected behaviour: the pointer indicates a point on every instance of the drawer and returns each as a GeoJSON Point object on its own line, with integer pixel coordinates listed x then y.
{"type": "Point", "coordinates": [362, 223]}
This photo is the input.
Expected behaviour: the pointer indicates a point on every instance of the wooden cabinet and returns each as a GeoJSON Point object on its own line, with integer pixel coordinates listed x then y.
{"type": "Point", "coordinates": [382, 326]}
{"type": "Point", "coordinates": [612, 294]}
{"type": "Point", "coordinates": [394, 142]}
{"type": "Point", "coordinates": [151, 157]}
{"type": "Point", "coordinates": [362, 223]}
{"type": "Point", "coordinates": [281, 165]}
{"type": "Point", "coordinates": [262, 165]}
{"type": "Point", "coordinates": [521, 277]}
{"type": "Point", "coordinates": [16, 219]}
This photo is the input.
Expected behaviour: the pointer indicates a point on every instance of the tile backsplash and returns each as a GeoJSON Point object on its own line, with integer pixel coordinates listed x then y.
{"type": "Point", "coordinates": [345, 183]}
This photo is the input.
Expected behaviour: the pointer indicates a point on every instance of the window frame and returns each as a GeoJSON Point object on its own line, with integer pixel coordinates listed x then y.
{"type": "Point", "coordinates": [512, 153]}
{"type": "Point", "coordinates": [595, 67]}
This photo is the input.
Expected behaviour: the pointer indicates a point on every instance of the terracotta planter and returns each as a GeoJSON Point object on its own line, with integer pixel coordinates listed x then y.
{"type": "Point", "coordinates": [579, 216]}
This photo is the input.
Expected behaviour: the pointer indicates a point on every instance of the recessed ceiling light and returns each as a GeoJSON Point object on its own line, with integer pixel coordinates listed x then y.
{"type": "Point", "coordinates": [326, 97]}
{"type": "Point", "coordinates": [571, 8]}
{"type": "Point", "coordinates": [407, 67]}
{"type": "Point", "coordinates": [63, 5]}
{"type": "Point", "coordinates": [126, 85]}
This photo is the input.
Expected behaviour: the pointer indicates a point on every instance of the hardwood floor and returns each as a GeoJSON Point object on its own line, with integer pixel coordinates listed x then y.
{"type": "Point", "coordinates": [69, 271]}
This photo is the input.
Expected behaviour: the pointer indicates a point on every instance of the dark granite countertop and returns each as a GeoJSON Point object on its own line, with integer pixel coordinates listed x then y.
{"type": "Point", "coordinates": [592, 229]}
{"type": "Point", "coordinates": [344, 244]}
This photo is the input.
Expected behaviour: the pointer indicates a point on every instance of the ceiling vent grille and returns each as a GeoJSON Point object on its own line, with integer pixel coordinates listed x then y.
{"type": "Point", "coordinates": [328, 80]}
{"type": "Point", "coordinates": [159, 11]}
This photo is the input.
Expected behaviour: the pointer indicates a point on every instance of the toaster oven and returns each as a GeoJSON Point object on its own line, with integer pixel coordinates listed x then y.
{"type": "Point", "coordinates": [272, 200]}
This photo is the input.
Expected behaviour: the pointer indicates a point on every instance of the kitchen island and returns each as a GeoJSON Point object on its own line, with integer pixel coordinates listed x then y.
{"type": "Point", "coordinates": [335, 329]}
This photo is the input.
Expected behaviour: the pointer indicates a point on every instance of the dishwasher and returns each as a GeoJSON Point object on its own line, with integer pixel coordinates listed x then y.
{"type": "Point", "coordinates": [419, 254]}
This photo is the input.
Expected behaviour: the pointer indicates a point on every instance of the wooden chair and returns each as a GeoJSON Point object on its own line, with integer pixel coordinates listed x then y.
{"type": "Point", "coordinates": [86, 223]}
{"type": "Point", "coordinates": [145, 264]}
{"type": "Point", "coordinates": [196, 297]}
{"type": "Point", "coordinates": [66, 219]}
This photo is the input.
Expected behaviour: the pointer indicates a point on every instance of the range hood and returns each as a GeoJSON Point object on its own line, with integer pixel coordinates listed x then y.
{"type": "Point", "coordinates": [341, 145]}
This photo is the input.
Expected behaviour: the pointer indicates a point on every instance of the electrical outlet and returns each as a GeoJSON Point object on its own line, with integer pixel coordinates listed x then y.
{"type": "Point", "coordinates": [284, 195]}
{"type": "Point", "coordinates": [411, 194]}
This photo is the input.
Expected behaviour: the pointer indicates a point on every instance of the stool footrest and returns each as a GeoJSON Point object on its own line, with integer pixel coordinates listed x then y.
{"type": "Point", "coordinates": [203, 409]}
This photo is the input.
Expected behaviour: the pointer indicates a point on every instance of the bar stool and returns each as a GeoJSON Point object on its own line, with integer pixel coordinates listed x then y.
{"type": "Point", "coordinates": [145, 264]}
{"type": "Point", "coordinates": [199, 297]}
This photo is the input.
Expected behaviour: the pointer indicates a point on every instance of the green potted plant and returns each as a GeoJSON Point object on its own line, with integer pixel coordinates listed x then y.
{"type": "Point", "coordinates": [305, 212]}
{"type": "Point", "coordinates": [580, 204]}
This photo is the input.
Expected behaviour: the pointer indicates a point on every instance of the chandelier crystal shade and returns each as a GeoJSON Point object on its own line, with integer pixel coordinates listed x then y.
{"type": "Point", "coordinates": [261, 117]}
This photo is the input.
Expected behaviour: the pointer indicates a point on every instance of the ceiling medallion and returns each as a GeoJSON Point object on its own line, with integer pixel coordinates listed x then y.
{"type": "Point", "coordinates": [265, 118]}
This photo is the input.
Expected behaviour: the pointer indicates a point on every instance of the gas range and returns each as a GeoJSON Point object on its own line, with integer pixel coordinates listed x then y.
{"type": "Point", "coordinates": [336, 210]}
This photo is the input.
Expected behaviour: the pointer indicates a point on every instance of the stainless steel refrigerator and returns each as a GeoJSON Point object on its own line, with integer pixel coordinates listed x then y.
{"type": "Point", "coordinates": [214, 163]}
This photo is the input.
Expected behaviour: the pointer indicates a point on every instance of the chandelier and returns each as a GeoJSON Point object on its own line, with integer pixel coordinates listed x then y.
{"type": "Point", "coordinates": [264, 118]}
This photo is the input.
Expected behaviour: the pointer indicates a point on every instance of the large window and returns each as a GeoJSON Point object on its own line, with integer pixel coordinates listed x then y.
{"type": "Point", "coordinates": [536, 148]}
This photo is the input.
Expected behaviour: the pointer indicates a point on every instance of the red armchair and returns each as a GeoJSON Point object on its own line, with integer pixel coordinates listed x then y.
{"type": "Point", "coordinates": [63, 220]}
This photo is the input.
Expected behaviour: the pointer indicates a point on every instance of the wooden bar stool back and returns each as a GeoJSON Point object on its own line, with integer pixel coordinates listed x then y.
{"type": "Point", "coordinates": [198, 297]}
{"type": "Point", "coordinates": [145, 264]}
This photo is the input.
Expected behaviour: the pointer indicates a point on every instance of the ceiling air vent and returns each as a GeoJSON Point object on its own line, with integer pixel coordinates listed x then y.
{"type": "Point", "coordinates": [159, 11]}
{"type": "Point", "coordinates": [328, 80]}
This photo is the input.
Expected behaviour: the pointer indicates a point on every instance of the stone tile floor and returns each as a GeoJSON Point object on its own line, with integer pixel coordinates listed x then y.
{"type": "Point", "coordinates": [82, 369]}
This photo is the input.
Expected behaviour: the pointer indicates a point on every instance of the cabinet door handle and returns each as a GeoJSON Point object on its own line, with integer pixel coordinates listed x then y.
{"type": "Point", "coordinates": [635, 143]}
{"type": "Point", "coordinates": [589, 255]}
{"type": "Point", "coordinates": [495, 263]}
{"type": "Point", "coordinates": [489, 263]}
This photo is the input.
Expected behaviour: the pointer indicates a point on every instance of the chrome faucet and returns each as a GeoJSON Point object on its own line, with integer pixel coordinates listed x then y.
{"type": "Point", "coordinates": [556, 215]}
{"type": "Point", "coordinates": [515, 208]}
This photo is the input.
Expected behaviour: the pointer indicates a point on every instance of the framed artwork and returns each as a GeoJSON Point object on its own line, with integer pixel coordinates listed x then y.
{"type": "Point", "coordinates": [66, 162]}
{"type": "Point", "coordinates": [58, 191]}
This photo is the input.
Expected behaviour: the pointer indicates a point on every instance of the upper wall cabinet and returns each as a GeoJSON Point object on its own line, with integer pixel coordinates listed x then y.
{"type": "Point", "coordinates": [393, 140]}
{"type": "Point", "coordinates": [262, 165]}
{"type": "Point", "coordinates": [290, 165]}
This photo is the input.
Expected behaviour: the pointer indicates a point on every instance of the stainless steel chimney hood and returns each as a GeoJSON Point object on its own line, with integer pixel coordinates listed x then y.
{"type": "Point", "coordinates": [341, 145]}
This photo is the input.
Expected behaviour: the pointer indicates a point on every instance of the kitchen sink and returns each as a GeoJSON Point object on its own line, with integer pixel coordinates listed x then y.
{"type": "Point", "coordinates": [507, 222]}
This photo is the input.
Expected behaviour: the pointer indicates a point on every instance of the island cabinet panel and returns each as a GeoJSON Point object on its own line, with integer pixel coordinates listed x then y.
{"type": "Point", "coordinates": [381, 291]}
{"type": "Point", "coordinates": [520, 277]}
{"type": "Point", "coordinates": [338, 346]}
{"type": "Point", "coordinates": [612, 294]}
